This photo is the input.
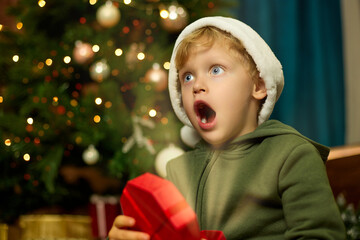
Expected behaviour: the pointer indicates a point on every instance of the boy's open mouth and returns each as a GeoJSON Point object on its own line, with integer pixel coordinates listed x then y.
{"type": "Point", "coordinates": [204, 112]}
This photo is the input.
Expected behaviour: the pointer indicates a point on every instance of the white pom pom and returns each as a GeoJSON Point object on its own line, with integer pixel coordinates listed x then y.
{"type": "Point", "coordinates": [164, 156]}
{"type": "Point", "coordinates": [189, 136]}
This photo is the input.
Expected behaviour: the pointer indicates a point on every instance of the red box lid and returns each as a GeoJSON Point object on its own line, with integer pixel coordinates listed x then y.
{"type": "Point", "coordinates": [159, 209]}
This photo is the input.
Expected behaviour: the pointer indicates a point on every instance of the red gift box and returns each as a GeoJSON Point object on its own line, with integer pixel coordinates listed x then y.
{"type": "Point", "coordinates": [103, 211]}
{"type": "Point", "coordinates": [212, 235]}
{"type": "Point", "coordinates": [161, 211]}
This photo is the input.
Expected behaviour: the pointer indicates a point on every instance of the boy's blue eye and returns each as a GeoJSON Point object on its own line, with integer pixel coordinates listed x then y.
{"type": "Point", "coordinates": [217, 70]}
{"type": "Point", "coordinates": [188, 77]}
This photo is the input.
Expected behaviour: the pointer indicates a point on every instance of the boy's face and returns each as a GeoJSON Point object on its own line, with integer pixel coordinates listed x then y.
{"type": "Point", "coordinates": [218, 94]}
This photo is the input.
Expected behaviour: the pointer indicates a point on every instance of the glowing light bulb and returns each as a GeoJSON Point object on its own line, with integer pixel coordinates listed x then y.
{"type": "Point", "coordinates": [16, 58]}
{"type": "Point", "coordinates": [41, 3]}
{"type": "Point", "coordinates": [98, 101]}
{"type": "Point", "coordinates": [173, 15]}
{"type": "Point", "coordinates": [30, 120]}
{"type": "Point", "coordinates": [127, 2]}
{"type": "Point", "coordinates": [26, 157]}
{"type": "Point", "coordinates": [141, 56]}
{"type": "Point", "coordinates": [164, 14]}
{"type": "Point", "coordinates": [1, 99]}
{"type": "Point", "coordinates": [167, 65]}
{"type": "Point", "coordinates": [48, 61]}
{"type": "Point", "coordinates": [95, 48]}
{"type": "Point", "coordinates": [152, 113]}
{"type": "Point", "coordinates": [93, 2]}
{"type": "Point", "coordinates": [67, 59]}
{"type": "Point", "coordinates": [97, 118]}
{"type": "Point", "coordinates": [19, 25]}
{"type": "Point", "coordinates": [1, 27]}
{"type": "Point", "coordinates": [118, 52]}
{"type": "Point", "coordinates": [7, 142]}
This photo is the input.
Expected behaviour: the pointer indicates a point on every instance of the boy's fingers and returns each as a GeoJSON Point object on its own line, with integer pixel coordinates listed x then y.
{"type": "Point", "coordinates": [119, 231]}
{"type": "Point", "coordinates": [124, 221]}
{"type": "Point", "coordinates": [127, 234]}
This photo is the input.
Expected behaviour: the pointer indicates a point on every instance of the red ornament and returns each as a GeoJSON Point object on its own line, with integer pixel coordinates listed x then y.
{"type": "Point", "coordinates": [61, 110]}
{"type": "Point", "coordinates": [126, 29]}
{"type": "Point", "coordinates": [27, 176]}
{"type": "Point", "coordinates": [82, 20]}
{"type": "Point", "coordinates": [78, 86]}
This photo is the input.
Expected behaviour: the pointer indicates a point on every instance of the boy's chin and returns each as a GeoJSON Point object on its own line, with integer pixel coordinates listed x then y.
{"type": "Point", "coordinates": [215, 143]}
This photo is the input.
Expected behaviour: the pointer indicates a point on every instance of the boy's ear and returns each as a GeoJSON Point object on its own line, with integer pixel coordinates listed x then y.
{"type": "Point", "coordinates": [259, 91]}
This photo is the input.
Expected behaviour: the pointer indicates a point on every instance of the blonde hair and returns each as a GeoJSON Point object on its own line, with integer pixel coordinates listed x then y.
{"type": "Point", "coordinates": [206, 37]}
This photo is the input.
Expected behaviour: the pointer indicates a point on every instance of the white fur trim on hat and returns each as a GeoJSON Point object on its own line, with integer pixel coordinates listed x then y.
{"type": "Point", "coordinates": [268, 65]}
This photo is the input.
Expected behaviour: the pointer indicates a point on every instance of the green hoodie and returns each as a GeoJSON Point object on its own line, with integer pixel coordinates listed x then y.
{"type": "Point", "coordinates": [268, 184]}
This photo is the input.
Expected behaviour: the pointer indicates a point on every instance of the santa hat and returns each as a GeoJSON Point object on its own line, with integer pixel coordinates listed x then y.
{"type": "Point", "coordinates": [267, 64]}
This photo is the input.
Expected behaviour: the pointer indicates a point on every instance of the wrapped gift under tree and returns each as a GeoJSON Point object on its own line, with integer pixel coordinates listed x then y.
{"type": "Point", "coordinates": [103, 211]}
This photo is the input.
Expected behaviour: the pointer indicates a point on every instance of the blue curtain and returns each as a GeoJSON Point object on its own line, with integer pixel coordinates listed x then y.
{"type": "Point", "coordinates": [306, 36]}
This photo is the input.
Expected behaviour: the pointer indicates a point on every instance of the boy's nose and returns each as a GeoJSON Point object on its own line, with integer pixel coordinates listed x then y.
{"type": "Point", "coordinates": [199, 86]}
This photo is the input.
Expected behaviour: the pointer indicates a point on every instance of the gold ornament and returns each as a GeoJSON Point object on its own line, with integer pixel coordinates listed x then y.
{"type": "Point", "coordinates": [108, 15]}
{"type": "Point", "coordinates": [157, 76]}
{"type": "Point", "coordinates": [82, 52]}
{"type": "Point", "coordinates": [4, 228]}
{"type": "Point", "coordinates": [174, 18]}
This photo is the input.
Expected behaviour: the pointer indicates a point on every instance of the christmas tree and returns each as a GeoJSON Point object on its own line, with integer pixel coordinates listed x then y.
{"type": "Point", "coordinates": [83, 92]}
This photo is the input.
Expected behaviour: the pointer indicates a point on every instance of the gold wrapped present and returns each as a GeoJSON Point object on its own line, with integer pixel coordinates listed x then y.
{"type": "Point", "coordinates": [3, 231]}
{"type": "Point", "coordinates": [51, 227]}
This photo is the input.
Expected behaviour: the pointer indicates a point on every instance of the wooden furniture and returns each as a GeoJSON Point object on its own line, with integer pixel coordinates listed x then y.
{"type": "Point", "coordinates": [343, 168]}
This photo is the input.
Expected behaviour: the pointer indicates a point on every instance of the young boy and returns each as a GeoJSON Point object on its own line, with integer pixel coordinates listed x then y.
{"type": "Point", "coordinates": [250, 177]}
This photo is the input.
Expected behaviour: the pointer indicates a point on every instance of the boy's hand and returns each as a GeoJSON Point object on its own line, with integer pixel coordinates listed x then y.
{"type": "Point", "coordinates": [118, 231]}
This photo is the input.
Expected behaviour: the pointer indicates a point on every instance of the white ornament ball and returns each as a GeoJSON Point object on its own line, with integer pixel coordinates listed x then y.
{"type": "Point", "coordinates": [82, 52]}
{"type": "Point", "coordinates": [108, 15]}
{"type": "Point", "coordinates": [176, 19]}
{"type": "Point", "coordinates": [99, 70]}
{"type": "Point", "coordinates": [189, 136]}
{"type": "Point", "coordinates": [91, 155]}
{"type": "Point", "coordinates": [164, 156]}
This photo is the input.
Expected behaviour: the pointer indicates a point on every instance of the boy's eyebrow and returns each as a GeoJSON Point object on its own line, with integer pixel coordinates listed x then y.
{"type": "Point", "coordinates": [181, 74]}
{"type": "Point", "coordinates": [184, 68]}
